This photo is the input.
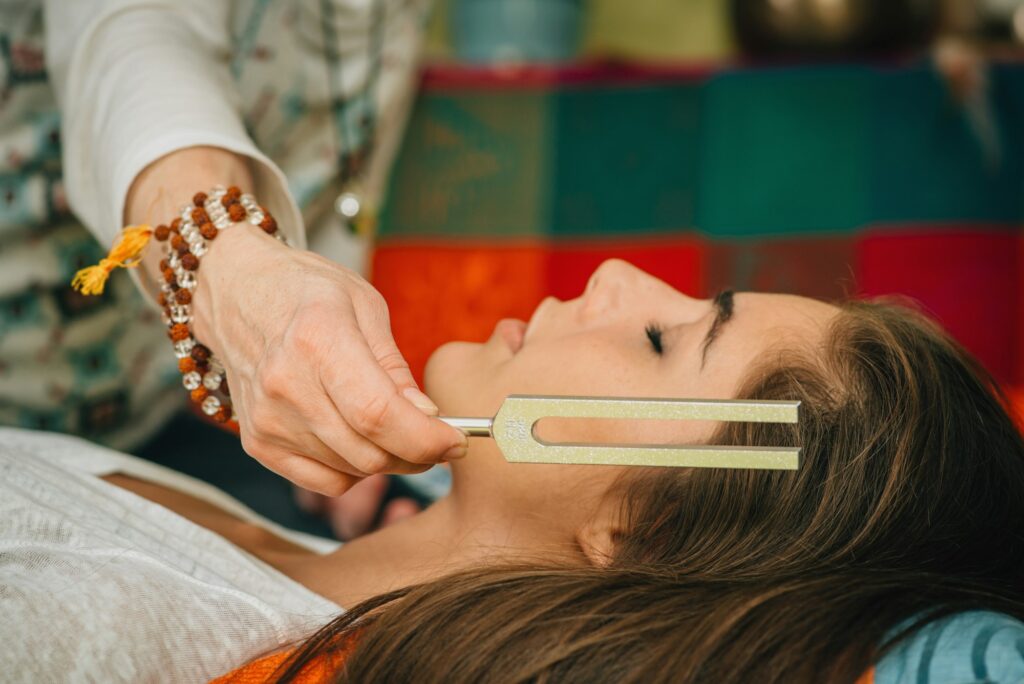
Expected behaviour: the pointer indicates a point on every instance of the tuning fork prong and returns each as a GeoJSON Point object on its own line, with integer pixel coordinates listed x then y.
{"type": "Point", "coordinates": [514, 430]}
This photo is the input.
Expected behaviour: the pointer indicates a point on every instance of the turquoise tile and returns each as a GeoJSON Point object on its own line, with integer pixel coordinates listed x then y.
{"type": "Point", "coordinates": [785, 151]}
{"type": "Point", "coordinates": [626, 159]}
{"type": "Point", "coordinates": [929, 163]}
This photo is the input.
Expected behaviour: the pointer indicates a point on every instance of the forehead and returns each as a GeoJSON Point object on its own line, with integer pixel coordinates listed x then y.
{"type": "Point", "coordinates": [763, 322]}
{"type": "Point", "coordinates": [787, 313]}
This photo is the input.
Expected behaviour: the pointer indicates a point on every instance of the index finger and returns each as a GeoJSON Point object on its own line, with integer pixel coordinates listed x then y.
{"type": "Point", "coordinates": [368, 400]}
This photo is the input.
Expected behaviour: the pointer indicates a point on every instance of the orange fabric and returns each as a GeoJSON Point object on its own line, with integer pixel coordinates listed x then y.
{"type": "Point", "coordinates": [259, 671]}
{"type": "Point", "coordinates": [319, 671]}
{"type": "Point", "coordinates": [867, 678]}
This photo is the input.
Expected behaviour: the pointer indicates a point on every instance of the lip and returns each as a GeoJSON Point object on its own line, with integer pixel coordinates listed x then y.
{"type": "Point", "coordinates": [512, 331]}
{"type": "Point", "coordinates": [548, 301]}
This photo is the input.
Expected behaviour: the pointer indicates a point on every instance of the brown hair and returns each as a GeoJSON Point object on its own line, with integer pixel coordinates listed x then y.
{"type": "Point", "coordinates": [908, 506]}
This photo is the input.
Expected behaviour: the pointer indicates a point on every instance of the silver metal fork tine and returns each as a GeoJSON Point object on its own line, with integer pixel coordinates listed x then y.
{"type": "Point", "coordinates": [513, 430]}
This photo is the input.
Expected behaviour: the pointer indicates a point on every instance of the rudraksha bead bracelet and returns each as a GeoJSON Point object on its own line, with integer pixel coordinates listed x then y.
{"type": "Point", "coordinates": [184, 241]}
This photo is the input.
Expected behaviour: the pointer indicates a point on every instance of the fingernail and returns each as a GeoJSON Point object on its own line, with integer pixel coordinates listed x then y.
{"type": "Point", "coordinates": [456, 452]}
{"type": "Point", "coordinates": [420, 401]}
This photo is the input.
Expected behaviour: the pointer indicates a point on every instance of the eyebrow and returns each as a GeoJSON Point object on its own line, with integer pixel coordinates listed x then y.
{"type": "Point", "coordinates": [723, 304]}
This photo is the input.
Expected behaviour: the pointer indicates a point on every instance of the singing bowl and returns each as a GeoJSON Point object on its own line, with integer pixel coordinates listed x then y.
{"type": "Point", "coordinates": [832, 27]}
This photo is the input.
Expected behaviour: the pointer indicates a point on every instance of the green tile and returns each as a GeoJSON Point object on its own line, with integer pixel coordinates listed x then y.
{"type": "Point", "coordinates": [473, 163]}
{"type": "Point", "coordinates": [929, 161]}
{"type": "Point", "coordinates": [785, 151]}
{"type": "Point", "coordinates": [625, 159]}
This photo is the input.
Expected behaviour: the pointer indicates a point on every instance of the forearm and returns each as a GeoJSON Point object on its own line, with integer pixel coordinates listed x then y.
{"type": "Point", "coordinates": [158, 192]}
{"type": "Point", "coordinates": [138, 82]}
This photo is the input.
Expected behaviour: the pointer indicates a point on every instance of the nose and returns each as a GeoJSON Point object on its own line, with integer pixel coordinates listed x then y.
{"type": "Point", "coordinates": [610, 283]}
{"type": "Point", "coordinates": [618, 285]}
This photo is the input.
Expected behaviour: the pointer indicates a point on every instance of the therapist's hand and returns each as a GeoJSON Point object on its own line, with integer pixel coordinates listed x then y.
{"type": "Point", "coordinates": [321, 392]}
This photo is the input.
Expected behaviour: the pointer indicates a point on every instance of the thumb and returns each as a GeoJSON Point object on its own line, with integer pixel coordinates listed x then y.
{"type": "Point", "coordinates": [377, 333]}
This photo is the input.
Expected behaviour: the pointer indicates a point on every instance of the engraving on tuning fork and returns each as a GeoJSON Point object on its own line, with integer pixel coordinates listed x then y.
{"type": "Point", "coordinates": [513, 430]}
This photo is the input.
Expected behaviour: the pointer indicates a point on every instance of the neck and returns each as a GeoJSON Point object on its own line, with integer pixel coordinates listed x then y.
{"type": "Point", "coordinates": [457, 532]}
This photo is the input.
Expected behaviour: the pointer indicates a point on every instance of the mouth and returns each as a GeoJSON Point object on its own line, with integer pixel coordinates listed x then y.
{"type": "Point", "coordinates": [546, 303]}
{"type": "Point", "coordinates": [512, 331]}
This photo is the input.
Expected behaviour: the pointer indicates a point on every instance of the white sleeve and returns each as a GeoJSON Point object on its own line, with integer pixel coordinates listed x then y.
{"type": "Point", "coordinates": [137, 79]}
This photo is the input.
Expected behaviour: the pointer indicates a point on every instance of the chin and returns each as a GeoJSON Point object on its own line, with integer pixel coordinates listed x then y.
{"type": "Point", "coordinates": [447, 374]}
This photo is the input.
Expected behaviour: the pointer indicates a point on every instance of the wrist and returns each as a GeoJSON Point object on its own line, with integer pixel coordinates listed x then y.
{"type": "Point", "coordinates": [231, 263]}
{"type": "Point", "coordinates": [166, 184]}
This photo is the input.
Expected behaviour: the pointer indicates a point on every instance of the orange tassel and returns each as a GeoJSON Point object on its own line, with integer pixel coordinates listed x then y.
{"type": "Point", "coordinates": [124, 254]}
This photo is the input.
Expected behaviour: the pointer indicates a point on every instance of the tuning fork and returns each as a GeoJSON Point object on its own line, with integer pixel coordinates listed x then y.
{"type": "Point", "coordinates": [513, 428]}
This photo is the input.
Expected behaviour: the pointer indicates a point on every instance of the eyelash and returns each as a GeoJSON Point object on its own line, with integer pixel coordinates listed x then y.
{"type": "Point", "coordinates": [654, 332]}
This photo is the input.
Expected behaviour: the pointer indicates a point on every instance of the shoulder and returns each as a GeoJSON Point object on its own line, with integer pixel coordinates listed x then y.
{"type": "Point", "coordinates": [971, 647]}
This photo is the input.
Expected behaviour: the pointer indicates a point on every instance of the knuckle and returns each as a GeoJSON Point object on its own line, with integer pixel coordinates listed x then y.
{"type": "Point", "coordinates": [425, 454]}
{"type": "Point", "coordinates": [371, 416]}
{"type": "Point", "coordinates": [373, 463]}
{"type": "Point", "coordinates": [379, 303]}
{"type": "Point", "coordinates": [305, 333]}
{"type": "Point", "coordinates": [260, 416]}
{"type": "Point", "coordinates": [373, 302]}
{"type": "Point", "coordinates": [256, 447]}
{"type": "Point", "coordinates": [369, 293]}
{"type": "Point", "coordinates": [334, 486]}
{"type": "Point", "coordinates": [274, 380]}
{"type": "Point", "coordinates": [390, 359]}
{"type": "Point", "coordinates": [415, 452]}
{"type": "Point", "coordinates": [305, 338]}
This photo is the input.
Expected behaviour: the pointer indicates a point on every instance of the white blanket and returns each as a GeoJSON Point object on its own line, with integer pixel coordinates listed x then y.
{"type": "Point", "coordinates": [98, 584]}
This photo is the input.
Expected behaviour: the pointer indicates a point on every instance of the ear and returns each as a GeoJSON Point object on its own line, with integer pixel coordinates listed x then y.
{"type": "Point", "coordinates": [597, 539]}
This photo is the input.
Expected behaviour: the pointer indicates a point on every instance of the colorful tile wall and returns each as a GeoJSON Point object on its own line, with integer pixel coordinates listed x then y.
{"type": "Point", "coordinates": [821, 181]}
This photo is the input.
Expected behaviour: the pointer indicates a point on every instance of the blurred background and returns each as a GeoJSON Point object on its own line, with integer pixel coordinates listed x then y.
{"type": "Point", "coordinates": [820, 147]}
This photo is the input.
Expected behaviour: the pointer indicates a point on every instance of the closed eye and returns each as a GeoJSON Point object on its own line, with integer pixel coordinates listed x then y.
{"type": "Point", "coordinates": [654, 333]}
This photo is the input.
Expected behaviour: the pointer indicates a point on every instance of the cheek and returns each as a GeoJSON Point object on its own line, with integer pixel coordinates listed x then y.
{"type": "Point", "coordinates": [573, 366]}
{"type": "Point", "coordinates": [473, 379]}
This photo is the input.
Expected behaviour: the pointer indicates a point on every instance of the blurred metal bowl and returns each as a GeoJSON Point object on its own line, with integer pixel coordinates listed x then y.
{"type": "Point", "coordinates": [832, 27]}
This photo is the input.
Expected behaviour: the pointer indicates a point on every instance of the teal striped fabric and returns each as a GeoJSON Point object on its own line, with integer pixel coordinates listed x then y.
{"type": "Point", "coordinates": [977, 647]}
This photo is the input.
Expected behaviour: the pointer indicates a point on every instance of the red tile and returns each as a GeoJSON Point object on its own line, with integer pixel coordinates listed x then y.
{"type": "Point", "coordinates": [437, 294]}
{"type": "Point", "coordinates": [677, 261]}
{"type": "Point", "coordinates": [819, 267]}
{"type": "Point", "coordinates": [968, 278]}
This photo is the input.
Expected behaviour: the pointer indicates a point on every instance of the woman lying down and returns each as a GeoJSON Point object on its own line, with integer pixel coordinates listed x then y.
{"type": "Point", "coordinates": [894, 554]}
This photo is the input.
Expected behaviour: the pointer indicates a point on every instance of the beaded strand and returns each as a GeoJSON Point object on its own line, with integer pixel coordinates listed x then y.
{"type": "Point", "coordinates": [185, 240]}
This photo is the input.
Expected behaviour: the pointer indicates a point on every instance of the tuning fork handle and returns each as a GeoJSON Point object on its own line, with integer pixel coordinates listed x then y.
{"type": "Point", "coordinates": [473, 427]}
